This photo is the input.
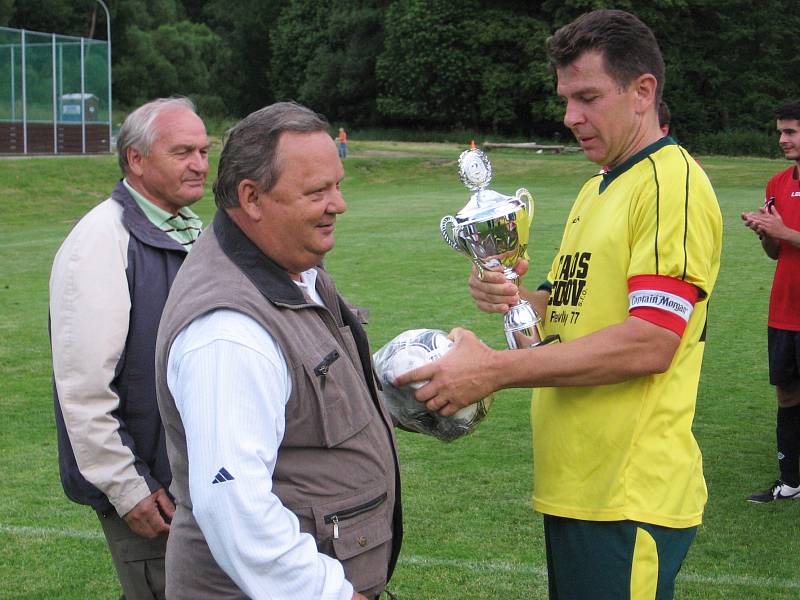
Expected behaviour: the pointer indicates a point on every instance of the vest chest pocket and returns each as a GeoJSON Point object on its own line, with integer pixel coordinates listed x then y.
{"type": "Point", "coordinates": [330, 403]}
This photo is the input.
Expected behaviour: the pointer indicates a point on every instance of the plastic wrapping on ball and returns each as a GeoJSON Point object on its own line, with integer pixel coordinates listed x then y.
{"type": "Point", "coordinates": [409, 350]}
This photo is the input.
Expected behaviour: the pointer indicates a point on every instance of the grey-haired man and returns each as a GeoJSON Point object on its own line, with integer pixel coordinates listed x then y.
{"type": "Point", "coordinates": [108, 286]}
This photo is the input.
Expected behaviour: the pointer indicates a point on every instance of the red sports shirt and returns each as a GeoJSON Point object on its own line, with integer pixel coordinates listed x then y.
{"type": "Point", "coordinates": [784, 302]}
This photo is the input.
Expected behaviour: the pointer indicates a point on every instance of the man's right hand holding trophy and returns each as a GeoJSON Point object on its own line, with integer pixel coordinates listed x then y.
{"type": "Point", "coordinates": [492, 230]}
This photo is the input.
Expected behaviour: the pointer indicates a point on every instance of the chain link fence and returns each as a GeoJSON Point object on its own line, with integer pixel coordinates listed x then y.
{"type": "Point", "coordinates": [54, 94]}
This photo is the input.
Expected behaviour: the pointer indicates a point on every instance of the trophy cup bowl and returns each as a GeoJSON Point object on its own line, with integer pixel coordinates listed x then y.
{"type": "Point", "coordinates": [492, 236]}
{"type": "Point", "coordinates": [492, 230]}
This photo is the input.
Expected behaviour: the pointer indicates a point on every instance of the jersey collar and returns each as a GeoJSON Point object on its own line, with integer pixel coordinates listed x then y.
{"type": "Point", "coordinates": [611, 175]}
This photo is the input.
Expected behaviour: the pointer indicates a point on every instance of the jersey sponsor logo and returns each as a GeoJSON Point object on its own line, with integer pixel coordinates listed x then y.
{"type": "Point", "coordinates": [568, 293]}
{"type": "Point", "coordinates": [795, 194]}
{"type": "Point", "coordinates": [569, 288]}
{"type": "Point", "coordinates": [663, 301]}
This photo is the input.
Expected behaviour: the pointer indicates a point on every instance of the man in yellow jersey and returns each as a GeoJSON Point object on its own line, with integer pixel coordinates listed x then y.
{"type": "Point", "coordinates": [617, 472]}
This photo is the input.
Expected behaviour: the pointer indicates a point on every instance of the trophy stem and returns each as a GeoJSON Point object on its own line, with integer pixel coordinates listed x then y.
{"type": "Point", "coordinates": [523, 327]}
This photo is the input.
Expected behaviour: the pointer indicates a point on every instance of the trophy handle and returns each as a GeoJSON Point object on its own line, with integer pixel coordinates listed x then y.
{"type": "Point", "coordinates": [448, 228]}
{"type": "Point", "coordinates": [527, 198]}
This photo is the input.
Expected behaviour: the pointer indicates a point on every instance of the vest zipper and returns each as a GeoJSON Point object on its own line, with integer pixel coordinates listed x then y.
{"type": "Point", "coordinates": [322, 368]}
{"type": "Point", "coordinates": [349, 513]}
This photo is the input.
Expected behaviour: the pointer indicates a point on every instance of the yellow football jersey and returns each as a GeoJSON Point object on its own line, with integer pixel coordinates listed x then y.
{"type": "Point", "coordinates": [626, 451]}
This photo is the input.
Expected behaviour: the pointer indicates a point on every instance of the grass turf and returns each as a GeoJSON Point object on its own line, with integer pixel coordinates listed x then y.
{"type": "Point", "coordinates": [470, 531]}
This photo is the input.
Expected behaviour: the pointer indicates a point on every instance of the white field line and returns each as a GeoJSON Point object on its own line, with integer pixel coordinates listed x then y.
{"type": "Point", "coordinates": [51, 532]}
{"type": "Point", "coordinates": [475, 566]}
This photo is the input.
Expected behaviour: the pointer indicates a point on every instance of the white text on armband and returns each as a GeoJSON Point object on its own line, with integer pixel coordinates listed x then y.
{"type": "Point", "coordinates": [662, 301]}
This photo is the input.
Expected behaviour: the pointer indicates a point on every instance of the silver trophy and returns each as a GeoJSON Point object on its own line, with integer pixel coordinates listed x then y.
{"type": "Point", "coordinates": [492, 230]}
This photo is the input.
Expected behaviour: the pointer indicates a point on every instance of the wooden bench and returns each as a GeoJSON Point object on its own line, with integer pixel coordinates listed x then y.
{"type": "Point", "coordinates": [557, 148]}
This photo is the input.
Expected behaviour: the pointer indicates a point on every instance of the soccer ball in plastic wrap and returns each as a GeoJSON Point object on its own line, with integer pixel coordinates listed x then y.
{"type": "Point", "coordinates": [409, 350]}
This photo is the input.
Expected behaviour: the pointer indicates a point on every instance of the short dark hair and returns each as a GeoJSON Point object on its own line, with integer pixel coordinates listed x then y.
{"type": "Point", "coordinates": [628, 46]}
{"type": "Point", "coordinates": [664, 115]}
{"type": "Point", "coordinates": [789, 110]}
{"type": "Point", "coordinates": [250, 148]}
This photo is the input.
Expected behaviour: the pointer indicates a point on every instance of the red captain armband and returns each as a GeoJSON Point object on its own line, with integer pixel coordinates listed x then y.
{"type": "Point", "coordinates": [663, 301]}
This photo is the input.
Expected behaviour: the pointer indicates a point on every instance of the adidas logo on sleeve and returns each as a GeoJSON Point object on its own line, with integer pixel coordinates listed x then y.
{"type": "Point", "coordinates": [222, 476]}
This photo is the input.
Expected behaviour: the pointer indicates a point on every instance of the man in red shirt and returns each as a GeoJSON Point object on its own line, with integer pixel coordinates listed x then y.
{"type": "Point", "coordinates": [778, 226]}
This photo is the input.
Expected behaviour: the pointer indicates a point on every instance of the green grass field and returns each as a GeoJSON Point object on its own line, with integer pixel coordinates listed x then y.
{"type": "Point", "coordinates": [470, 531]}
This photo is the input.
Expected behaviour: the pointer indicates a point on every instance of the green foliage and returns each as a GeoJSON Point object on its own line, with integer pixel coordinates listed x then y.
{"type": "Point", "coordinates": [340, 79]}
{"type": "Point", "coordinates": [465, 66]}
{"type": "Point", "coordinates": [429, 71]}
{"type": "Point", "coordinates": [244, 28]}
{"type": "Point", "coordinates": [427, 64]}
{"type": "Point", "coordinates": [299, 32]}
{"type": "Point", "coordinates": [6, 12]}
{"type": "Point", "coordinates": [176, 58]}
{"type": "Point", "coordinates": [736, 142]}
{"type": "Point", "coordinates": [462, 137]}
{"type": "Point", "coordinates": [69, 17]}
{"type": "Point", "coordinates": [725, 71]}
{"type": "Point", "coordinates": [324, 56]}
{"type": "Point", "coordinates": [144, 14]}
{"type": "Point", "coordinates": [513, 85]}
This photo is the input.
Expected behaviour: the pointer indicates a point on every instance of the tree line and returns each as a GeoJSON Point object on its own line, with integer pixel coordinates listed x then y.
{"type": "Point", "coordinates": [428, 64]}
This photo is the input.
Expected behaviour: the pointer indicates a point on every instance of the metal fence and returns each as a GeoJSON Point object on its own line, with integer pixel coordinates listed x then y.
{"type": "Point", "coordinates": [55, 93]}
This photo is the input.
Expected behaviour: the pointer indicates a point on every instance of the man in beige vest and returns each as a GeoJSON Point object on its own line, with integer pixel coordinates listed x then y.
{"type": "Point", "coordinates": [285, 472]}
